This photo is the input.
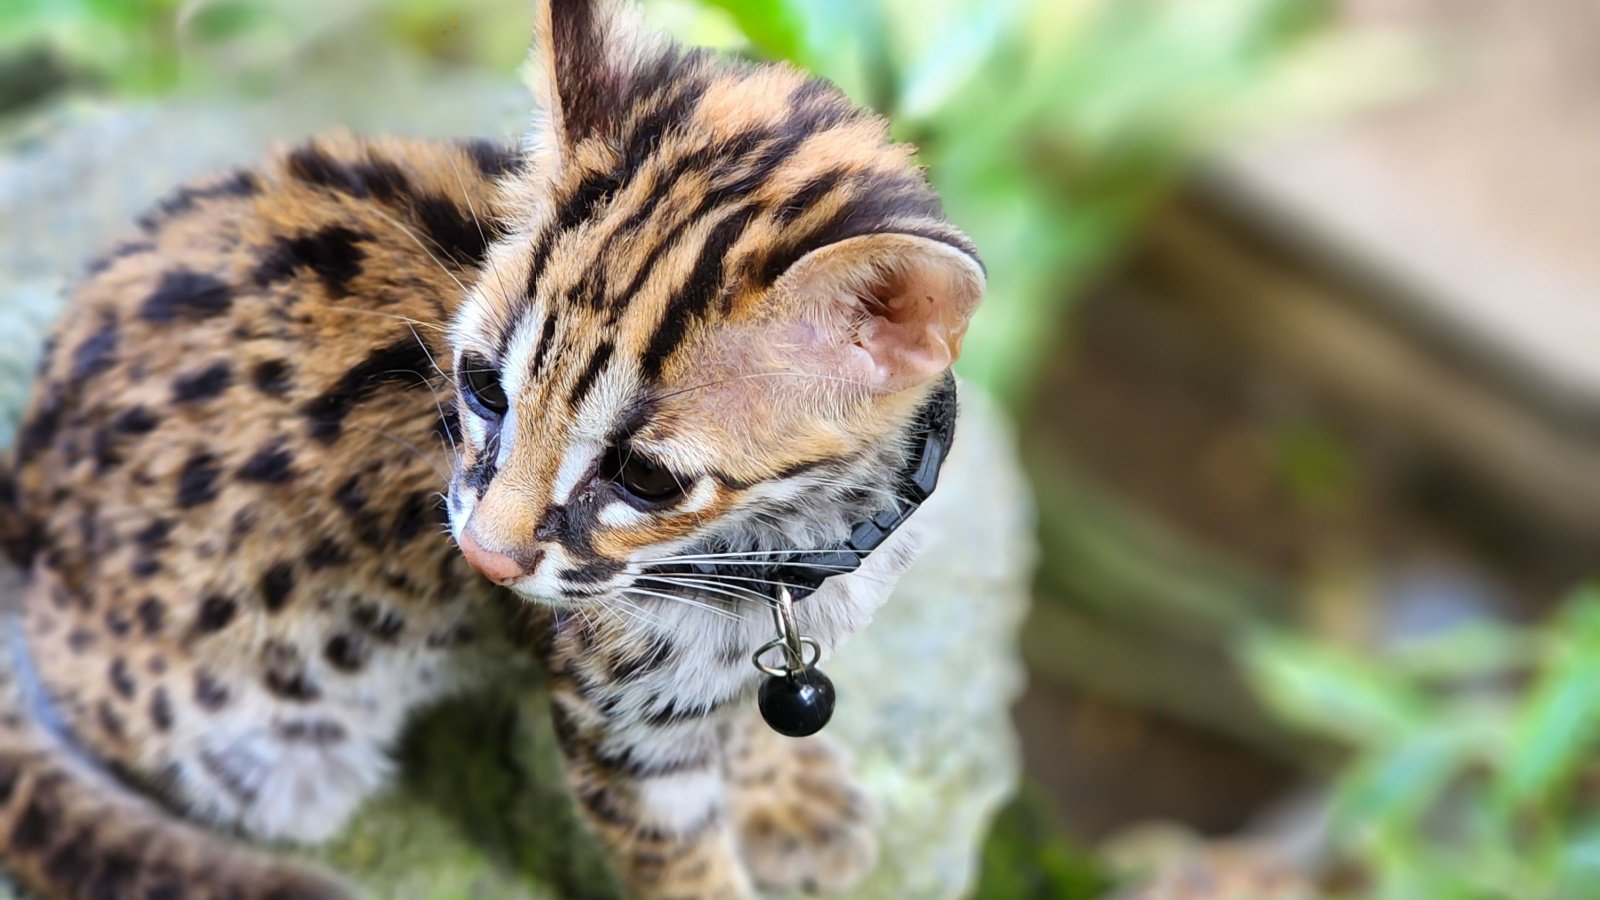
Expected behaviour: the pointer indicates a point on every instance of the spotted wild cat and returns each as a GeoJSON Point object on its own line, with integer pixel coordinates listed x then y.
{"type": "Point", "coordinates": [693, 317]}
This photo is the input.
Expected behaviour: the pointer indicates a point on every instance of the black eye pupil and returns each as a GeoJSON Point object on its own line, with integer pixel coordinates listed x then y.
{"type": "Point", "coordinates": [646, 480]}
{"type": "Point", "coordinates": [482, 383]}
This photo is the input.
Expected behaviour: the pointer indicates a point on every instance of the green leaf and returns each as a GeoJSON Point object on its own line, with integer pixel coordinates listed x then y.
{"type": "Point", "coordinates": [1579, 865]}
{"type": "Point", "coordinates": [777, 28]}
{"type": "Point", "coordinates": [1471, 650]}
{"type": "Point", "coordinates": [1559, 725]}
{"type": "Point", "coordinates": [959, 45]}
{"type": "Point", "coordinates": [1395, 786]}
{"type": "Point", "coordinates": [1332, 691]}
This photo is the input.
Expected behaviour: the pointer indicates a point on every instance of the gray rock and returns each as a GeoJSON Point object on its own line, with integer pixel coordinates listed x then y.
{"type": "Point", "coordinates": [481, 813]}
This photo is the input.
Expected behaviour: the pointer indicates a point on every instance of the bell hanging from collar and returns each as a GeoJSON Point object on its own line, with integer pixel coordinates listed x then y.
{"type": "Point", "coordinates": [796, 699]}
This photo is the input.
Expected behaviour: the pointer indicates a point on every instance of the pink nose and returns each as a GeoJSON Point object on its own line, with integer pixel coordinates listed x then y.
{"type": "Point", "coordinates": [499, 568]}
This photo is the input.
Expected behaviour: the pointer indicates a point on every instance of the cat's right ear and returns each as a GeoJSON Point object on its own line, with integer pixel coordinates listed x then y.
{"type": "Point", "coordinates": [586, 56]}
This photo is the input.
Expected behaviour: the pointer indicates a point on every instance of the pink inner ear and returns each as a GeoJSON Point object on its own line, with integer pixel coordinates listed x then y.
{"type": "Point", "coordinates": [913, 329]}
{"type": "Point", "coordinates": [885, 311]}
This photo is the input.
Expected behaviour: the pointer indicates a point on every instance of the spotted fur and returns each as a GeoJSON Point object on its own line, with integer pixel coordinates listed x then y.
{"type": "Point", "coordinates": [265, 416]}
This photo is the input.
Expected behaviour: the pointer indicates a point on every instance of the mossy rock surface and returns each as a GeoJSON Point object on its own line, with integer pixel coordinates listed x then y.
{"type": "Point", "coordinates": [481, 810]}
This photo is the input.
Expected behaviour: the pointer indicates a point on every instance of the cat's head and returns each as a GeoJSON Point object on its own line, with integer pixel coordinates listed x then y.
{"type": "Point", "coordinates": [720, 295]}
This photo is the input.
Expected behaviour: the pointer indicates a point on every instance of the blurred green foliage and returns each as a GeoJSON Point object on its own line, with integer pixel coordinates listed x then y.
{"type": "Point", "coordinates": [1027, 858]}
{"type": "Point", "coordinates": [1472, 771]}
{"type": "Point", "coordinates": [1049, 125]}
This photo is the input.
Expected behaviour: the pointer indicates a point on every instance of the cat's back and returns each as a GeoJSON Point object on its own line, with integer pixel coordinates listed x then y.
{"type": "Point", "coordinates": [242, 415]}
{"type": "Point", "coordinates": [262, 328]}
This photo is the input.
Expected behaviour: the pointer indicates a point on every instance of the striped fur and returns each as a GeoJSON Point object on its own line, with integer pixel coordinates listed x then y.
{"type": "Point", "coordinates": [698, 269]}
{"type": "Point", "coordinates": [693, 315]}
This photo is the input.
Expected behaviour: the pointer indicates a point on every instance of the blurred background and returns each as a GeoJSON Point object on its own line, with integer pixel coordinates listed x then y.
{"type": "Point", "coordinates": [1294, 306]}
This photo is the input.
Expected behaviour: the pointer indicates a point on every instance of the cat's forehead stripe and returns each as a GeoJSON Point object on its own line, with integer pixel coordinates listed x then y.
{"type": "Point", "coordinates": [591, 371]}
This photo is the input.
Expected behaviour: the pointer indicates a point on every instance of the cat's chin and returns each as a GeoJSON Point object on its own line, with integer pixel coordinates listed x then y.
{"type": "Point", "coordinates": [557, 601]}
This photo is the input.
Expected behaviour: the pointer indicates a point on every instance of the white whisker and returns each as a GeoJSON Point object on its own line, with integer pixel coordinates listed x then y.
{"type": "Point", "coordinates": [687, 601]}
{"type": "Point", "coordinates": [731, 590]}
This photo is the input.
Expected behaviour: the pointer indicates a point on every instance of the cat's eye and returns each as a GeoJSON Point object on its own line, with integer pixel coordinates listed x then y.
{"type": "Point", "coordinates": [481, 384]}
{"type": "Point", "coordinates": [643, 478]}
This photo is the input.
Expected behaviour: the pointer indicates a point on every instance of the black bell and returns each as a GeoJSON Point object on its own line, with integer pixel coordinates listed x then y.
{"type": "Point", "coordinates": [797, 704]}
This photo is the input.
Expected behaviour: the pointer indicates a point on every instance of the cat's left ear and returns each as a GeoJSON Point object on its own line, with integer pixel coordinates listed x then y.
{"type": "Point", "coordinates": [586, 56]}
{"type": "Point", "coordinates": [887, 311]}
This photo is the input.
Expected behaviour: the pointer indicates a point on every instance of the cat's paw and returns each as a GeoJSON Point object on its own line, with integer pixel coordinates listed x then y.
{"type": "Point", "coordinates": [800, 820]}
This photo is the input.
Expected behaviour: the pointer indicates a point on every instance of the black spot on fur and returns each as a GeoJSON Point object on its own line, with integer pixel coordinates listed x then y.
{"type": "Point", "coordinates": [416, 512]}
{"type": "Point", "coordinates": [184, 199]}
{"type": "Point", "coordinates": [145, 567]}
{"type": "Point", "coordinates": [161, 709]}
{"type": "Point", "coordinates": [107, 453]}
{"type": "Point", "coordinates": [121, 680]}
{"type": "Point", "coordinates": [208, 692]}
{"type": "Point", "coordinates": [317, 732]}
{"type": "Point", "coordinates": [320, 732]}
{"type": "Point", "coordinates": [331, 254]}
{"type": "Point", "coordinates": [152, 615]}
{"type": "Point", "coordinates": [345, 653]}
{"type": "Point", "coordinates": [383, 624]}
{"type": "Point", "coordinates": [204, 384]}
{"type": "Point", "coordinates": [452, 230]}
{"type": "Point", "coordinates": [271, 377]}
{"type": "Point", "coordinates": [40, 429]}
{"type": "Point", "coordinates": [110, 720]}
{"type": "Point", "coordinates": [286, 676]}
{"type": "Point", "coordinates": [118, 623]}
{"type": "Point", "coordinates": [186, 294]}
{"type": "Point", "coordinates": [272, 464]}
{"type": "Point", "coordinates": [244, 522]}
{"type": "Point", "coordinates": [326, 553]}
{"type": "Point", "coordinates": [405, 362]}
{"type": "Point", "coordinates": [312, 166]}
{"type": "Point", "coordinates": [136, 420]}
{"type": "Point", "coordinates": [80, 639]}
{"type": "Point", "coordinates": [368, 530]}
{"type": "Point", "coordinates": [276, 585]}
{"type": "Point", "coordinates": [216, 612]}
{"type": "Point", "coordinates": [95, 354]}
{"type": "Point", "coordinates": [156, 535]}
{"type": "Point", "coordinates": [349, 495]}
{"type": "Point", "coordinates": [492, 159]}
{"type": "Point", "coordinates": [197, 481]}
{"type": "Point", "coordinates": [384, 179]}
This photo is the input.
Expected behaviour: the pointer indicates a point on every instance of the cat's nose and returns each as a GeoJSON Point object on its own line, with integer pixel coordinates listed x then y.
{"type": "Point", "coordinates": [499, 568]}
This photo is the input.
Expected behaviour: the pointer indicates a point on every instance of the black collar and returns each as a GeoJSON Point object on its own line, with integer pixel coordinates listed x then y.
{"type": "Point", "coordinates": [803, 573]}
